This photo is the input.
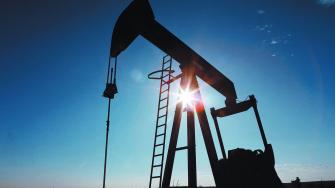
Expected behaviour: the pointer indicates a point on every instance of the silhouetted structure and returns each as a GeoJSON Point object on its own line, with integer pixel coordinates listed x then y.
{"type": "Point", "coordinates": [242, 168]}
{"type": "Point", "coordinates": [158, 152]}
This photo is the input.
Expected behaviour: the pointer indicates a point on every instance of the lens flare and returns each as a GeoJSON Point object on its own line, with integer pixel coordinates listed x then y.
{"type": "Point", "coordinates": [186, 97]}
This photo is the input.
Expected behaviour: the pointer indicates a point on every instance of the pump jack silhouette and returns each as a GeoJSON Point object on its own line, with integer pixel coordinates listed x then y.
{"type": "Point", "coordinates": [242, 168]}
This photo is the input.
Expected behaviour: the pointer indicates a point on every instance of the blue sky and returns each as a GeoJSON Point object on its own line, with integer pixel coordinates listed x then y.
{"type": "Point", "coordinates": [53, 62]}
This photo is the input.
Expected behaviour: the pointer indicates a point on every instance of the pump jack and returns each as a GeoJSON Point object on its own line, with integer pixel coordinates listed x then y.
{"type": "Point", "coordinates": [242, 168]}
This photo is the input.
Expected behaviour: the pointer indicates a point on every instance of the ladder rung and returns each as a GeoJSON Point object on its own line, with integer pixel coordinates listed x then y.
{"type": "Point", "coordinates": [162, 116]}
{"type": "Point", "coordinates": [164, 82]}
{"type": "Point", "coordinates": [174, 78]}
{"type": "Point", "coordinates": [166, 60]}
{"type": "Point", "coordinates": [166, 69]}
{"type": "Point", "coordinates": [165, 90]}
{"type": "Point", "coordinates": [161, 125]}
{"type": "Point", "coordinates": [163, 99]}
{"type": "Point", "coordinates": [163, 107]}
{"type": "Point", "coordinates": [167, 55]}
{"type": "Point", "coordinates": [158, 155]}
{"type": "Point", "coordinates": [155, 176]}
{"type": "Point", "coordinates": [160, 135]}
{"type": "Point", "coordinates": [159, 144]}
{"type": "Point", "coordinates": [157, 165]}
{"type": "Point", "coordinates": [182, 148]}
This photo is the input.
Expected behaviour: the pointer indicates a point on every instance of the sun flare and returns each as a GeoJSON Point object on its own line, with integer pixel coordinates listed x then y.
{"type": "Point", "coordinates": [186, 97]}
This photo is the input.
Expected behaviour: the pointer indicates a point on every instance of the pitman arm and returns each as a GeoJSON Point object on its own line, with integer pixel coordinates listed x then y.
{"type": "Point", "coordinates": [138, 19]}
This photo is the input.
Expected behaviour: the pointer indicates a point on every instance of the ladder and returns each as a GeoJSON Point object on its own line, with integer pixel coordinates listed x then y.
{"type": "Point", "coordinates": [161, 123]}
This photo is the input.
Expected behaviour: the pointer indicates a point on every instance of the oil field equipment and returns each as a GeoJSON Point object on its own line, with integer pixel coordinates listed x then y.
{"type": "Point", "coordinates": [158, 152]}
{"type": "Point", "coordinates": [242, 168]}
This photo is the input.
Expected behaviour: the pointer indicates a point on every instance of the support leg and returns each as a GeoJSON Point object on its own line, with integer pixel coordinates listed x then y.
{"type": "Point", "coordinates": [218, 133]}
{"type": "Point", "coordinates": [206, 132]}
{"type": "Point", "coordinates": [192, 170]}
{"type": "Point", "coordinates": [173, 144]}
{"type": "Point", "coordinates": [259, 122]}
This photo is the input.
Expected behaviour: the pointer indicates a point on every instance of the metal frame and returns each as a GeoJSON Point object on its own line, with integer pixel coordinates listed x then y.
{"type": "Point", "coordinates": [188, 79]}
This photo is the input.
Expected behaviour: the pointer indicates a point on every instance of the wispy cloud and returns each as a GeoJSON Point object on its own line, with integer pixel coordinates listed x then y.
{"type": "Point", "coordinates": [260, 11]}
{"type": "Point", "coordinates": [327, 2]}
{"type": "Point", "coordinates": [274, 38]}
{"type": "Point", "coordinates": [265, 28]}
{"type": "Point", "coordinates": [137, 75]}
{"type": "Point", "coordinates": [274, 42]}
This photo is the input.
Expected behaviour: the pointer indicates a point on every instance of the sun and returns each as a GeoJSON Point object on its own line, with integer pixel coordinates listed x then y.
{"type": "Point", "coordinates": [186, 97]}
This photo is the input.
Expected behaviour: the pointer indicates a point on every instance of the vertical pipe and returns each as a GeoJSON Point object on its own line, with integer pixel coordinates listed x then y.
{"type": "Point", "coordinates": [206, 132]}
{"type": "Point", "coordinates": [173, 141]}
{"type": "Point", "coordinates": [106, 145]}
{"type": "Point", "coordinates": [109, 79]}
{"type": "Point", "coordinates": [192, 171]}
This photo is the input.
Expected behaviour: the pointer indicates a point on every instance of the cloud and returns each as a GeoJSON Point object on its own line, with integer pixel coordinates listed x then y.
{"type": "Point", "coordinates": [274, 42]}
{"type": "Point", "coordinates": [327, 2]}
{"type": "Point", "coordinates": [260, 11]}
{"type": "Point", "coordinates": [264, 27]}
{"type": "Point", "coordinates": [137, 75]}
